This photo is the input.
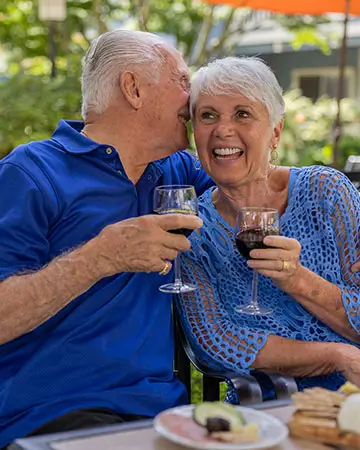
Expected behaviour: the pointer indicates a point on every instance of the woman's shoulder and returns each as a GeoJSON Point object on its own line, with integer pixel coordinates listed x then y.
{"type": "Point", "coordinates": [321, 183]}
{"type": "Point", "coordinates": [322, 177]}
{"type": "Point", "coordinates": [318, 172]}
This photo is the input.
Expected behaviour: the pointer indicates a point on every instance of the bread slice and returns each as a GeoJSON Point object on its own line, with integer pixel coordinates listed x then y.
{"type": "Point", "coordinates": [324, 431]}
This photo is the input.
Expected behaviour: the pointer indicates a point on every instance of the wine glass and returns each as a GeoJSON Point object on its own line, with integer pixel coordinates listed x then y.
{"type": "Point", "coordinates": [173, 199]}
{"type": "Point", "coordinates": [252, 225]}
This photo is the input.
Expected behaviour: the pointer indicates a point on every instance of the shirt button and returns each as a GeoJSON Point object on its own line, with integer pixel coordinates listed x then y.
{"type": "Point", "coordinates": [108, 151]}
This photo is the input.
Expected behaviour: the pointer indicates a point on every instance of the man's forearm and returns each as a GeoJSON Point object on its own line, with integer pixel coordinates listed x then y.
{"type": "Point", "coordinates": [323, 299]}
{"type": "Point", "coordinates": [139, 244]}
{"type": "Point", "coordinates": [296, 358]}
{"type": "Point", "coordinates": [26, 301]}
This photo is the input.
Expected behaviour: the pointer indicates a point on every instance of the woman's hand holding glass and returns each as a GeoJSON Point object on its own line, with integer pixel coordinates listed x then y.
{"type": "Point", "coordinates": [280, 261]}
{"type": "Point", "coordinates": [253, 224]}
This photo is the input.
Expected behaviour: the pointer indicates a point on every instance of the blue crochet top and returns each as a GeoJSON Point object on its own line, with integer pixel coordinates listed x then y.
{"type": "Point", "coordinates": [323, 214]}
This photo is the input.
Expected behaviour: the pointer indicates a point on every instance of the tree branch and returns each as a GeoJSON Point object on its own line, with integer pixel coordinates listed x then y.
{"type": "Point", "coordinates": [96, 8]}
{"type": "Point", "coordinates": [201, 42]}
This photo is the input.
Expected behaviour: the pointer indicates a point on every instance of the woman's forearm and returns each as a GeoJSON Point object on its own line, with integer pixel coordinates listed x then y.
{"type": "Point", "coordinates": [323, 299]}
{"type": "Point", "coordinates": [297, 358]}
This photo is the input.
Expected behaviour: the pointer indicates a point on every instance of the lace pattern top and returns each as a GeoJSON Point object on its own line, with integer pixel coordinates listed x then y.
{"type": "Point", "coordinates": [323, 214]}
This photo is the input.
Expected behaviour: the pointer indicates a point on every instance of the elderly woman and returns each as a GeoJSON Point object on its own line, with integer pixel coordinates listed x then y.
{"type": "Point", "coordinates": [304, 274]}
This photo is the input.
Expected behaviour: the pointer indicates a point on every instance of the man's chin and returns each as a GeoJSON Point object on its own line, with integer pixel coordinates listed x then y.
{"type": "Point", "coordinates": [184, 145]}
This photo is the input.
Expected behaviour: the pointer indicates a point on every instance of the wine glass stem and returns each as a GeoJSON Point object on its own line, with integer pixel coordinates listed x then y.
{"type": "Point", "coordinates": [254, 291]}
{"type": "Point", "coordinates": [178, 279]}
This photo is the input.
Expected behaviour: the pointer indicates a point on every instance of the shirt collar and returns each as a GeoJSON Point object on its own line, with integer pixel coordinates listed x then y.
{"type": "Point", "coordinates": [68, 135]}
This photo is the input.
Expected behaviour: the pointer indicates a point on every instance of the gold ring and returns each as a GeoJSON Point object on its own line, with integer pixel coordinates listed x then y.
{"type": "Point", "coordinates": [285, 266]}
{"type": "Point", "coordinates": [166, 269]}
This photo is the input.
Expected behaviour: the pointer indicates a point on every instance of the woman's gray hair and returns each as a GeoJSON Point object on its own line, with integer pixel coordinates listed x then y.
{"type": "Point", "coordinates": [250, 76]}
{"type": "Point", "coordinates": [111, 54]}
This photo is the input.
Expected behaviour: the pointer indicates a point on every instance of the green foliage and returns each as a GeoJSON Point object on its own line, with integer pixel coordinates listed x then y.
{"type": "Point", "coordinates": [196, 387]}
{"type": "Point", "coordinates": [181, 19]}
{"type": "Point", "coordinates": [31, 107]}
{"type": "Point", "coordinates": [37, 102]}
{"type": "Point", "coordinates": [307, 36]}
{"type": "Point", "coordinates": [307, 134]}
{"type": "Point", "coordinates": [306, 31]}
{"type": "Point", "coordinates": [25, 38]}
{"type": "Point", "coordinates": [191, 23]}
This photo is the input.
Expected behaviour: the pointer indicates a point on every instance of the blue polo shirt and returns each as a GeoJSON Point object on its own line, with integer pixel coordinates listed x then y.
{"type": "Point", "coordinates": [112, 346]}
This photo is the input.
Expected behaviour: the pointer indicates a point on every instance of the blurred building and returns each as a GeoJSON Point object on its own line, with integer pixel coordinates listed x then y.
{"type": "Point", "coordinates": [309, 69]}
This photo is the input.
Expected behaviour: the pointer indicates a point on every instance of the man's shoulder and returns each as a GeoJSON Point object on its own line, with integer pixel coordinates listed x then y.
{"type": "Point", "coordinates": [39, 161]}
{"type": "Point", "coordinates": [24, 154]}
{"type": "Point", "coordinates": [182, 158]}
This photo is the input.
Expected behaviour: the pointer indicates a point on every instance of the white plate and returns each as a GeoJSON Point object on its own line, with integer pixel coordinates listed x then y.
{"type": "Point", "coordinates": [272, 430]}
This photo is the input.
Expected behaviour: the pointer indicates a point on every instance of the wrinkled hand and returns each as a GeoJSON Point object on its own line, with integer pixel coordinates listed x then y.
{"type": "Point", "coordinates": [347, 361]}
{"type": "Point", "coordinates": [280, 262]}
{"type": "Point", "coordinates": [356, 267]}
{"type": "Point", "coordinates": [142, 244]}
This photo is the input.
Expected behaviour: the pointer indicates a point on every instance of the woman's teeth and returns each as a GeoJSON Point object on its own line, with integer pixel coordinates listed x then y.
{"type": "Point", "coordinates": [226, 152]}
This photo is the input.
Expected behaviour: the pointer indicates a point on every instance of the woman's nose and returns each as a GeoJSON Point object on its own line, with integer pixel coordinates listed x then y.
{"type": "Point", "coordinates": [224, 130]}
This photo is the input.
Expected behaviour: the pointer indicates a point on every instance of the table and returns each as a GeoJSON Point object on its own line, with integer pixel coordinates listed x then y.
{"type": "Point", "coordinates": [140, 435]}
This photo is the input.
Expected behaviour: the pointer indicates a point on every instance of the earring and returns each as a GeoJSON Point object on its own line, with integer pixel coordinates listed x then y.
{"type": "Point", "coordinates": [274, 157]}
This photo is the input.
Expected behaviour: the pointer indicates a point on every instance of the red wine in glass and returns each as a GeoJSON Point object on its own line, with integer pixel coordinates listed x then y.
{"type": "Point", "coordinates": [251, 239]}
{"type": "Point", "coordinates": [184, 231]}
{"type": "Point", "coordinates": [252, 226]}
{"type": "Point", "coordinates": [176, 199]}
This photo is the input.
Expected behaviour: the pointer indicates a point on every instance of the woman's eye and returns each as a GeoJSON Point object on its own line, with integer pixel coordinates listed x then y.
{"type": "Point", "coordinates": [206, 115]}
{"type": "Point", "coordinates": [242, 114]}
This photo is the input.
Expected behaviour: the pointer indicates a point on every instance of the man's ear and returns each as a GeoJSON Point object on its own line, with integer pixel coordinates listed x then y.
{"type": "Point", "coordinates": [130, 88]}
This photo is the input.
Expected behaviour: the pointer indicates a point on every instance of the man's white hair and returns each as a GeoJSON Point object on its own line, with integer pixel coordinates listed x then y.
{"type": "Point", "coordinates": [248, 76]}
{"type": "Point", "coordinates": [109, 56]}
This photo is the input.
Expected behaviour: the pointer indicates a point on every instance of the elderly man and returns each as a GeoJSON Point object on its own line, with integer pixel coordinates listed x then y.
{"type": "Point", "coordinates": [86, 337]}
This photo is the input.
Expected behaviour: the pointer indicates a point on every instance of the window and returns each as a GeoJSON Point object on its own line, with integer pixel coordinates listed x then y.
{"type": "Point", "coordinates": [316, 82]}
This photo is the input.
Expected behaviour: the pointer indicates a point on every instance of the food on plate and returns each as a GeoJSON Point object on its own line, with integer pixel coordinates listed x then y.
{"type": "Point", "coordinates": [219, 414]}
{"type": "Point", "coordinates": [326, 416]}
{"type": "Point", "coordinates": [246, 434]}
{"type": "Point", "coordinates": [212, 421]}
{"type": "Point", "coordinates": [215, 424]}
{"type": "Point", "coordinates": [224, 422]}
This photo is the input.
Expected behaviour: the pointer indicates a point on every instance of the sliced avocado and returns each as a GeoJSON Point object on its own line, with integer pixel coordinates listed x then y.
{"type": "Point", "coordinates": [215, 424]}
{"type": "Point", "coordinates": [218, 410]}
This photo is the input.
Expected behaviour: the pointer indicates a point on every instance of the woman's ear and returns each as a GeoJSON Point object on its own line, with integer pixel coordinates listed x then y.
{"type": "Point", "coordinates": [277, 133]}
{"type": "Point", "coordinates": [130, 88]}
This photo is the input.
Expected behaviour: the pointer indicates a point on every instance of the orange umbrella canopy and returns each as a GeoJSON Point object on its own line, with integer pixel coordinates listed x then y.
{"type": "Point", "coordinates": [313, 7]}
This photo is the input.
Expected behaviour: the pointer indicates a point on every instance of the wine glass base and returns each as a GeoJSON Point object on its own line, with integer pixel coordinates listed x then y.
{"type": "Point", "coordinates": [253, 310]}
{"type": "Point", "coordinates": [173, 288]}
